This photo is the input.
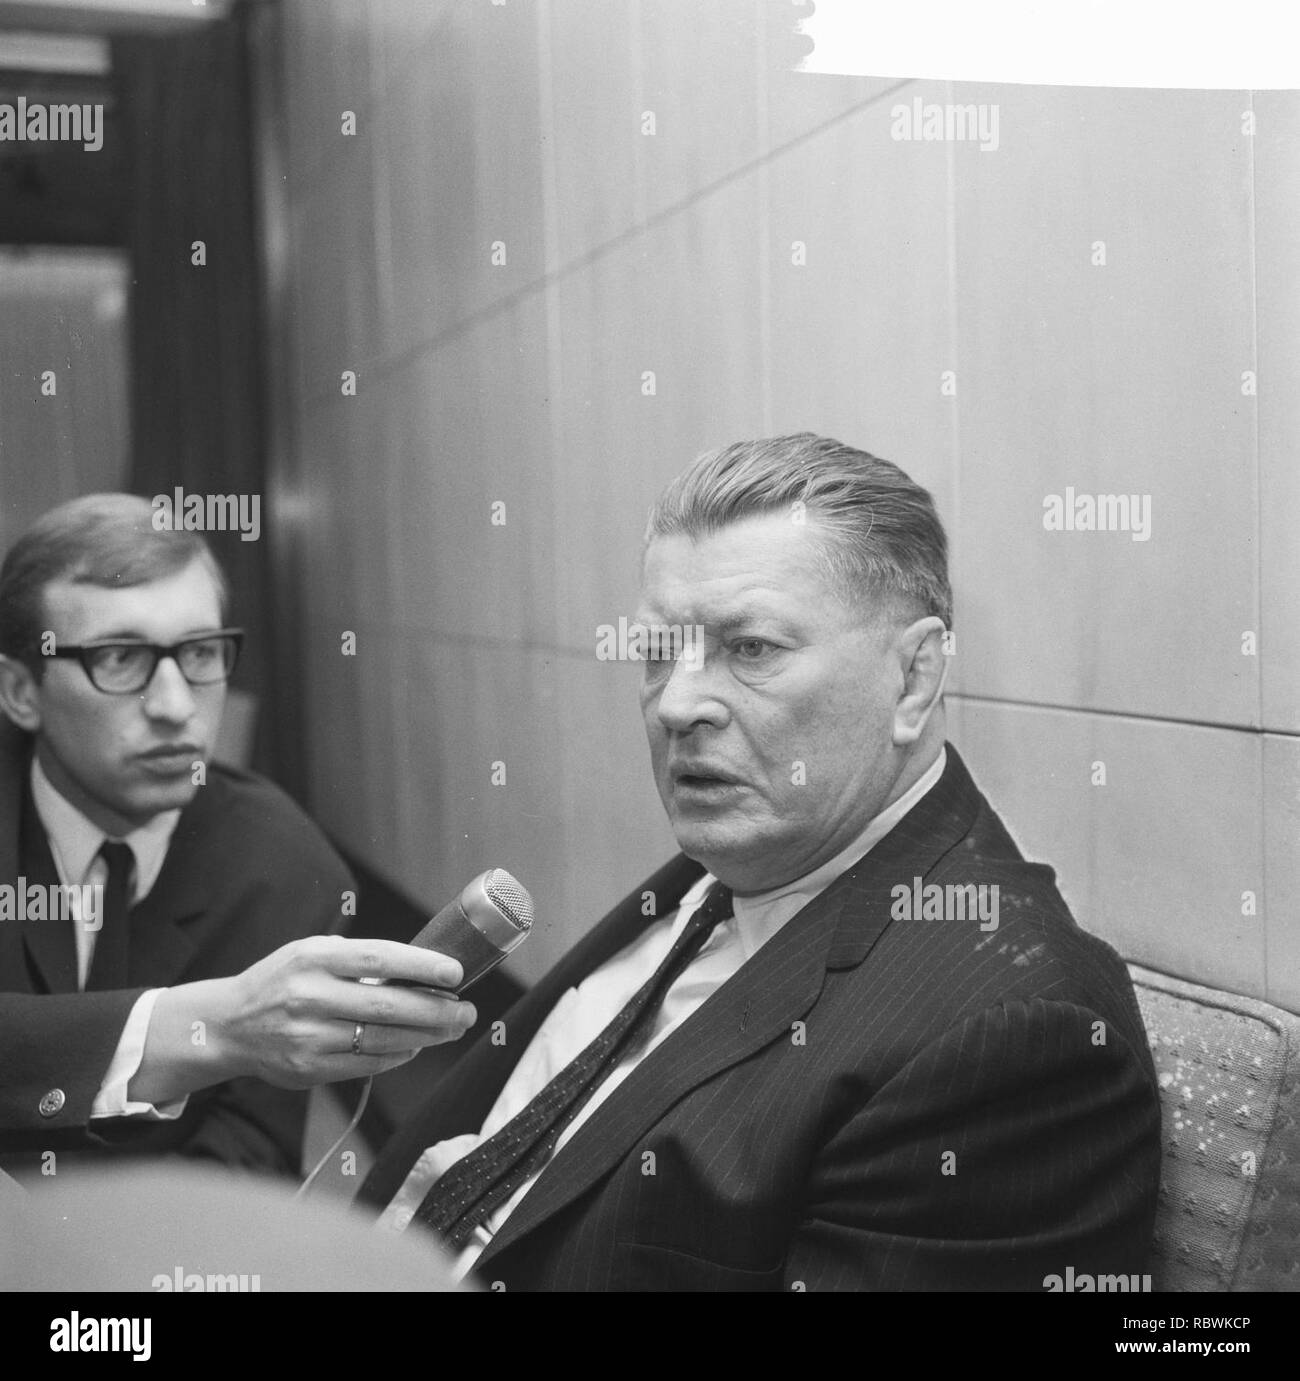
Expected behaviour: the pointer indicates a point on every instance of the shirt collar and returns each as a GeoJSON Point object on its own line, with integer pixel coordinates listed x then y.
{"type": "Point", "coordinates": [75, 840]}
{"type": "Point", "coordinates": [761, 915]}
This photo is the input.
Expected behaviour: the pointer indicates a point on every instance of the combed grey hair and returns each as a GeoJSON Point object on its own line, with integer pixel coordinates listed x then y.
{"type": "Point", "coordinates": [883, 540]}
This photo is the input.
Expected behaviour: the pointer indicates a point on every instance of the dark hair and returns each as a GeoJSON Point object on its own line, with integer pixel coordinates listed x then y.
{"type": "Point", "coordinates": [100, 539]}
{"type": "Point", "coordinates": [883, 536]}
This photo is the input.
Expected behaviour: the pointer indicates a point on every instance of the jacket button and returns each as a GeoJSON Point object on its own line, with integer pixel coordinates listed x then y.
{"type": "Point", "coordinates": [52, 1103]}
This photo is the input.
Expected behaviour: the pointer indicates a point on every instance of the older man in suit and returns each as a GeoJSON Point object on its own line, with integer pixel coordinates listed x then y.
{"type": "Point", "coordinates": [158, 992]}
{"type": "Point", "coordinates": [849, 1038]}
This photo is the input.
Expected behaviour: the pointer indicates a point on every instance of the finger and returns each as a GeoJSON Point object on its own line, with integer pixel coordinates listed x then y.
{"type": "Point", "coordinates": [392, 1040]}
{"type": "Point", "coordinates": [418, 1009]}
{"type": "Point", "coordinates": [396, 1061]}
{"type": "Point", "coordinates": [389, 959]}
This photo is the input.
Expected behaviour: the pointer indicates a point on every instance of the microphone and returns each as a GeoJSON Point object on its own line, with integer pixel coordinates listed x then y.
{"type": "Point", "coordinates": [491, 918]}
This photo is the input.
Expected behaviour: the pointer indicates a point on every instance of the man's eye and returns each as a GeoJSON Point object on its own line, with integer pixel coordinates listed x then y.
{"type": "Point", "coordinates": [751, 649]}
{"type": "Point", "coordinates": [119, 656]}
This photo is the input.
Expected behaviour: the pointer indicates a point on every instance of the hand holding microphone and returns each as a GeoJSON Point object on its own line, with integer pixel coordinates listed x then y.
{"type": "Point", "coordinates": [299, 1017]}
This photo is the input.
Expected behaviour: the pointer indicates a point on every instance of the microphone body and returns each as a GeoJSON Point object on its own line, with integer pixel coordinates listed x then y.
{"type": "Point", "coordinates": [489, 919]}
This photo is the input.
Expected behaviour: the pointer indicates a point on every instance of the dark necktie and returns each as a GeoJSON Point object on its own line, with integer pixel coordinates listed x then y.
{"type": "Point", "coordinates": [479, 1183]}
{"type": "Point", "coordinates": [108, 965]}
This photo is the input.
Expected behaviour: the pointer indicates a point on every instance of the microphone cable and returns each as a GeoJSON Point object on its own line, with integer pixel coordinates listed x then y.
{"type": "Point", "coordinates": [347, 1132]}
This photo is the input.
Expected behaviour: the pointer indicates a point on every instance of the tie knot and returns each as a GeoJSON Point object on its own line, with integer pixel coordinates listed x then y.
{"type": "Point", "coordinates": [715, 908]}
{"type": "Point", "coordinates": [119, 858]}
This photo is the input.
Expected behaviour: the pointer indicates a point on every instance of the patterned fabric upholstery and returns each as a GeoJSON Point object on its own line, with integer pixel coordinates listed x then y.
{"type": "Point", "coordinates": [1229, 1071]}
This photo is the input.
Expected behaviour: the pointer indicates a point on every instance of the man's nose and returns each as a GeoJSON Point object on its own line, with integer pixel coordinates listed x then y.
{"type": "Point", "coordinates": [168, 696]}
{"type": "Point", "coordinates": [691, 696]}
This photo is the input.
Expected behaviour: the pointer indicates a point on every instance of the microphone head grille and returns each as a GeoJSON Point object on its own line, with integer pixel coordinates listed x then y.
{"type": "Point", "coordinates": [510, 895]}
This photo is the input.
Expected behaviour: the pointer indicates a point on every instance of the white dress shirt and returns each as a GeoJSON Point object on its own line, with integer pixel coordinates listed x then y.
{"type": "Point", "coordinates": [74, 844]}
{"type": "Point", "coordinates": [583, 1012]}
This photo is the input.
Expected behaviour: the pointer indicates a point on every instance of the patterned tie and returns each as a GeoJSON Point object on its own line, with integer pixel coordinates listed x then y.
{"type": "Point", "coordinates": [108, 963]}
{"type": "Point", "coordinates": [479, 1183]}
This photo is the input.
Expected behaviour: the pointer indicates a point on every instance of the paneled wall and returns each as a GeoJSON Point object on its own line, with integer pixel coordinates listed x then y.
{"type": "Point", "coordinates": [545, 204]}
{"type": "Point", "coordinates": [64, 426]}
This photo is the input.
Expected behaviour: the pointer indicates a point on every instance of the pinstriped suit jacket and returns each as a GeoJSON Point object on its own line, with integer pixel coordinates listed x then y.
{"type": "Point", "coordinates": [870, 1103]}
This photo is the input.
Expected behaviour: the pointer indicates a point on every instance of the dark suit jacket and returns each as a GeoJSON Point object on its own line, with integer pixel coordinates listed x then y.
{"type": "Point", "coordinates": [869, 1103]}
{"type": "Point", "coordinates": [246, 872]}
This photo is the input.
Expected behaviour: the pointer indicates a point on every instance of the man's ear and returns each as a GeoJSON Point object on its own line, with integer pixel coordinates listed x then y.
{"type": "Point", "coordinates": [20, 694]}
{"type": "Point", "coordinates": [920, 652]}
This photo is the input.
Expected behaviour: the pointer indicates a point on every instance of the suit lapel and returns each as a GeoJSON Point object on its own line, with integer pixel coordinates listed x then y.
{"type": "Point", "coordinates": [776, 987]}
{"type": "Point", "coordinates": [756, 1006]}
{"type": "Point", "coordinates": [50, 945]}
{"type": "Point", "coordinates": [162, 925]}
{"type": "Point", "coordinates": [50, 941]}
{"type": "Point", "coordinates": [13, 767]}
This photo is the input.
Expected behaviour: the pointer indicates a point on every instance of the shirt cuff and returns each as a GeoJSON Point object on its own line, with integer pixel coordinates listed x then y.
{"type": "Point", "coordinates": [112, 1100]}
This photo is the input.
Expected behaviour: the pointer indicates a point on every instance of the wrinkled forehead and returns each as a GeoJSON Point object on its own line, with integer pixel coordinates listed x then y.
{"type": "Point", "coordinates": [760, 563]}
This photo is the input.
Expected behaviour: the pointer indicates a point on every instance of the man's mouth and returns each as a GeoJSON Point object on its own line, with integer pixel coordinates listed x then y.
{"type": "Point", "coordinates": [700, 779]}
{"type": "Point", "coordinates": [179, 757]}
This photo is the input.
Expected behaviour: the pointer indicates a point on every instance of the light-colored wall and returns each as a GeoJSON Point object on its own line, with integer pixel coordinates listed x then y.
{"type": "Point", "coordinates": [626, 252]}
{"type": "Point", "coordinates": [62, 311]}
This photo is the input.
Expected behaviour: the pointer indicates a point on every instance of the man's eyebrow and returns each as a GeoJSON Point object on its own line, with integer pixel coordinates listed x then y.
{"type": "Point", "coordinates": [734, 618]}
{"type": "Point", "coordinates": [731, 619]}
{"type": "Point", "coordinates": [116, 635]}
{"type": "Point", "coordinates": [722, 623]}
{"type": "Point", "coordinates": [134, 635]}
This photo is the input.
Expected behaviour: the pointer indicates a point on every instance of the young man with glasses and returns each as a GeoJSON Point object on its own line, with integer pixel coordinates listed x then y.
{"type": "Point", "coordinates": [167, 984]}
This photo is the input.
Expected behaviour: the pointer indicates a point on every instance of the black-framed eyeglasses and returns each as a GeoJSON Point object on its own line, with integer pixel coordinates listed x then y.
{"type": "Point", "coordinates": [123, 668]}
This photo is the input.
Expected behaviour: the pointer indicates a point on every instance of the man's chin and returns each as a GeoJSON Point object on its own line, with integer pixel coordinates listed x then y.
{"type": "Point", "coordinates": [158, 797]}
{"type": "Point", "coordinates": [721, 846]}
